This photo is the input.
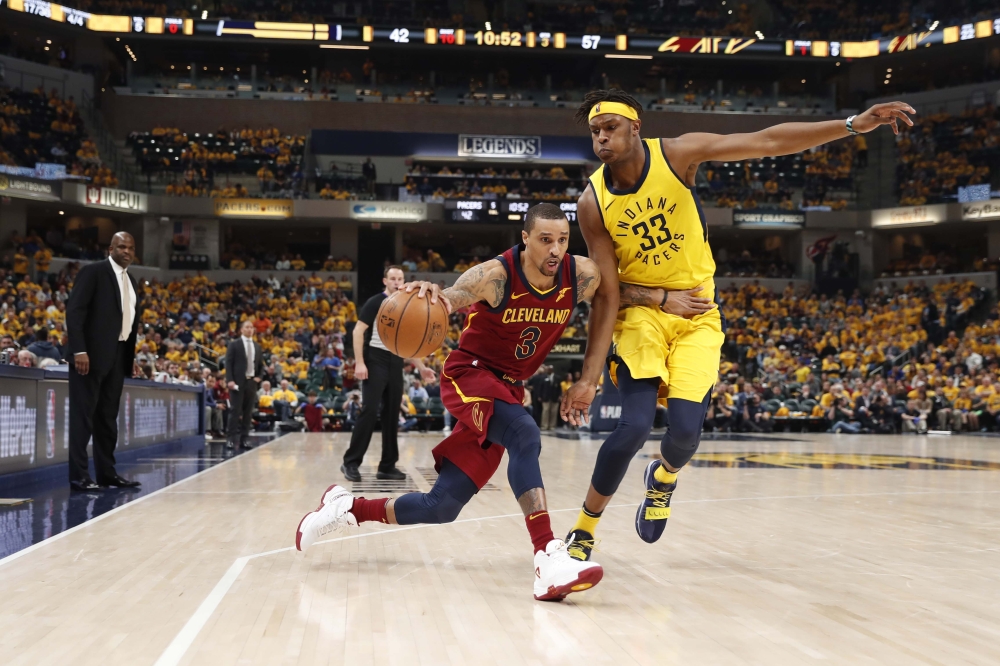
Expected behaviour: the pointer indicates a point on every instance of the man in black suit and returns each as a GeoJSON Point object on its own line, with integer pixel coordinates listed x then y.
{"type": "Point", "coordinates": [244, 366]}
{"type": "Point", "coordinates": [102, 316]}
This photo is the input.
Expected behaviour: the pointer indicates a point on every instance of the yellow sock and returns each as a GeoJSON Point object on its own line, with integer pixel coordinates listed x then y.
{"type": "Point", "coordinates": [664, 476]}
{"type": "Point", "coordinates": [586, 521]}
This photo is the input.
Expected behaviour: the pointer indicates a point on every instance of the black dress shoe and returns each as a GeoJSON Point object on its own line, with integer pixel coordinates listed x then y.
{"type": "Point", "coordinates": [350, 473]}
{"type": "Point", "coordinates": [85, 486]}
{"type": "Point", "coordinates": [245, 446]}
{"type": "Point", "coordinates": [390, 475]}
{"type": "Point", "coordinates": [119, 482]}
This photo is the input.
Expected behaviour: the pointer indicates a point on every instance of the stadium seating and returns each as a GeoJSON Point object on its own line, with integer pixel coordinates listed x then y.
{"type": "Point", "coordinates": [944, 152]}
{"type": "Point", "coordinates": [35, 127]}
{"type": "Point", "coordinates": [438, 182]}
{"type": "Point", "coordinates": [818, 178]}
{"type": "Point", "coordinates": [198, 162]}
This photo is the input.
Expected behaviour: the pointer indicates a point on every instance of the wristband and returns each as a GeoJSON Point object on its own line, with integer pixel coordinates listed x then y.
{"type": "Point", "coordinates": [850, 126]}
{"type": "Point", "coordinates": [664, 301]}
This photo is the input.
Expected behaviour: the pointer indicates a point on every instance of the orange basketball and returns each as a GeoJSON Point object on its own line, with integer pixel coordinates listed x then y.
{"type": "Point", "coordinates": [411, 327]}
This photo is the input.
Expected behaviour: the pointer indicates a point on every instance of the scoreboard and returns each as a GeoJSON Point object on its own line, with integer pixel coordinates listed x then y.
{"type": "Point", "coordinates": [498, 211]}
{"type": "Point", "coordinates": [347, 36]}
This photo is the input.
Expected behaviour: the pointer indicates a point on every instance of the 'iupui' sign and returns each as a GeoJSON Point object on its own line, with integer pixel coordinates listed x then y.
{"type": "Point", "coordinates": [120, 199]}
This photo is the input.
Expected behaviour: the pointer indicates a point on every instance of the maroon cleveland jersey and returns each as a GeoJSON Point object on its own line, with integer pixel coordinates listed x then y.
{"type": "Point", "coordinates": [514, 338]}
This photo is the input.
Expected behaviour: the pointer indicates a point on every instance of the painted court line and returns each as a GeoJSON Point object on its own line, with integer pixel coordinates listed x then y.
{"type": "Point", "coordinates": [192, 628]}
{"type": "Point", "coordinates": [55, 537]}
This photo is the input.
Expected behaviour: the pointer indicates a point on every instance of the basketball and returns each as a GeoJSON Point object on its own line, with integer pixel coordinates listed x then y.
{"type": "Point", "coordinates": [410, 326]}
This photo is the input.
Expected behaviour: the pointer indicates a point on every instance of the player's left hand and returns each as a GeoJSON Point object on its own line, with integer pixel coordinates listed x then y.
{"type": "Point", "coordinates": [425, 287]}
{"type": "Point", "coordinates": [428, 375]}
{"type": "Point", "coordinates": [884, 114]}
{"type": "Point", "coordinates": [575, 405]}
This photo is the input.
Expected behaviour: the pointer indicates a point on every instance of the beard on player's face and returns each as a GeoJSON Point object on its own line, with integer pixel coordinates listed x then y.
{"type": "Point", "coordinates": [550, 263]}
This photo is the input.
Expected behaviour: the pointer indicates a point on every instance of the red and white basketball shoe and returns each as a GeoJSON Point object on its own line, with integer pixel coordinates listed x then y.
{"type": "Point", "coordinates": [557, 574]}
{"type": "Point", "coordinates": [330, 517]}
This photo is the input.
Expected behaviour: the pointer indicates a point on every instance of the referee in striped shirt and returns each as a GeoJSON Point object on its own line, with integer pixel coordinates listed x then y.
{"type": "Point", "coordinates": [381, 375]}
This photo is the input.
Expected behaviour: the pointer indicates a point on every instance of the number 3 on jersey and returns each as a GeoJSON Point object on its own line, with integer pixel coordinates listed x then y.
{"type": "Point", "coordinates": [529, 337]}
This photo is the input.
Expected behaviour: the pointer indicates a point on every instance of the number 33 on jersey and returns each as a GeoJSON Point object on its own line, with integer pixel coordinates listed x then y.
{"type": "Point", "coordinates": [658, 226]}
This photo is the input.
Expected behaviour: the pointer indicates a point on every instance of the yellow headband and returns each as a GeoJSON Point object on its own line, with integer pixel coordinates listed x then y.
{"type": "Point", "coordinates": [602, 108]}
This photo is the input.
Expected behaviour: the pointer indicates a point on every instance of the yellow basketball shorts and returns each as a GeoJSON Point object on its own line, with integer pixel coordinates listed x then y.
{"type": "Point", "coordinates": [683, 353]}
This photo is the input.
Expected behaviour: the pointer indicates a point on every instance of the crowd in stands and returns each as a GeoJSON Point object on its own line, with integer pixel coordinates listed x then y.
{"type": "Point", "coordinates": [239, 256]}
{"type": "Point", "coordinates": [923, 261]}
{"type": "Point", "coordinates": [823, 176]}
{"type": "Point", "coordinates": [905, 358]}
{"type": "Point", "coordinates": [519, 182]}
{"type": "Point", "coordinates": [858, 363]}
{"type": "Point", "coordinates": [943, 152]}
{"type": "Point", "coordinates": [199, 160]}
{"type": "Point", "coordinates": [39, 128]}
{"type": "Point", "coordinates": [812, 19]}
{"type": "Point", "coordinates": [759, 263]}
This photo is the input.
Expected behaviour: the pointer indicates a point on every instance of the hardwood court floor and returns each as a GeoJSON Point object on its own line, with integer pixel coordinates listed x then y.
{"type": "Point", "coordinates": [765, 561]}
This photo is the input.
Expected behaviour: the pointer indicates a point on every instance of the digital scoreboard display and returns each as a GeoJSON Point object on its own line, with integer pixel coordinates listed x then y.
{"type": "Point", "coordinates": [639, 46]}
{"type": "Point", "coordinates": [498, 211]}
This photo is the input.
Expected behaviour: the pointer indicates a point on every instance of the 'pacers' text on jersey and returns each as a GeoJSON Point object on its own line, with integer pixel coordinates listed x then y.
{"type": "Point", "coordinates": [658, 227]}
{"type": "Point", "coordinates": [514, 338]}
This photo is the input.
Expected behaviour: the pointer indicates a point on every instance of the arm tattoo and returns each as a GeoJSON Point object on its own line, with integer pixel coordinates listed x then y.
{"type": "Point", "coordinates": [498, 283]}
{"type": "Point", "coordinates": [633, 294]}
{"type": "Point", "coordinates": [532, 501]}
{"type": "Point", "coordinates": [584, 280]}
{"type": "Point", "coordinates": [480, 283]}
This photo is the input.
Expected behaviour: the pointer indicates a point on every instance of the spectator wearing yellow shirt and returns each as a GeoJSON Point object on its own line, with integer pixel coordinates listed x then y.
{"type": "Point", "coordinates": [345, 285]}
{"type": "Point", "coordinates": [990, 418]}
{"type": "Point", "coordinates": [961, 412]}
{"type": "Point", "coordinates": [43, 259]}
{"type": "Point", "coordinates": [285, 400]}
{"type": "Point", "coordinates": [20, 264]}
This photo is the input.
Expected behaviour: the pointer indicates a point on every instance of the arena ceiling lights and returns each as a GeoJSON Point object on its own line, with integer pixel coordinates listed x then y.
{"type": "Point", "coordinates": [641, 47]}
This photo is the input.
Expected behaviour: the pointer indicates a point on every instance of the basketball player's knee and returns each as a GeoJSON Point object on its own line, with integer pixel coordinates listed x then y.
{"type": "Point", "coordinates": [634, 431]}
{"type": "Point", "coordinates": [522, 438]}
{"type": "Point", "coordinates": [686, 435]}
{"type": "Point", "coordinates": [446, 509]}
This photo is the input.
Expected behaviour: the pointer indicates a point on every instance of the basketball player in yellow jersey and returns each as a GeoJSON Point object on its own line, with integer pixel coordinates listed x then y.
{"type": "Point", "coordinates": [645, 229]}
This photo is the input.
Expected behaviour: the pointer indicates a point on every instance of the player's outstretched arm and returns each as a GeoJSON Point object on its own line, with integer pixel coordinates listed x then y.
{"type": "Point", "coordinates": [484, 282]}
{"type": "Point", "coordinates": [604, 310]}
{"type": "Point", "coordinates": [588, 279]}
{"type": "Point", "coordinates": [683, 302]}
{"type": "Point", "coordinates": [687, 151]}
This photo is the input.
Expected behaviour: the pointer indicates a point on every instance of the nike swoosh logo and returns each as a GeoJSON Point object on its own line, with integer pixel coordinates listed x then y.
{"type": "Point", "coordinates": [532, 517]}
{"type": "Point", "coordinates": [514, 297]}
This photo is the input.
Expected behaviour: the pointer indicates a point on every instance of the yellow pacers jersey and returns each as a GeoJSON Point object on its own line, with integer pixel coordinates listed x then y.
{"type": "Point", "coordinates": [661, 240]}
{"type": "Point", "coordinates": [658, 227]}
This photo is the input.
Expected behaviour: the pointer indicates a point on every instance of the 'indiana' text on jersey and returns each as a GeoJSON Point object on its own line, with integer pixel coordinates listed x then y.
{"type": "Point", "coordinates": [514, 338]}
{"type": "Point", "coordinates": [658, 227]}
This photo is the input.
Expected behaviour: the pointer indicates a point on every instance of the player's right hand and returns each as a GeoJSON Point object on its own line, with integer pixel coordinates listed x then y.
{"type": "Point", "coordinates": [686, 303]}
{"type": "Point", "coordinates": [424, 287]}
{"type": "Point", "coordinates": [575, 404]}
{"type": "Point", "coordinates": [360, 371]}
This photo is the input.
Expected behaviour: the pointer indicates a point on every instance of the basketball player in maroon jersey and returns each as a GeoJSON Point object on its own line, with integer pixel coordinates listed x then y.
{"type": "Point", "coordinates": [520, 304]}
